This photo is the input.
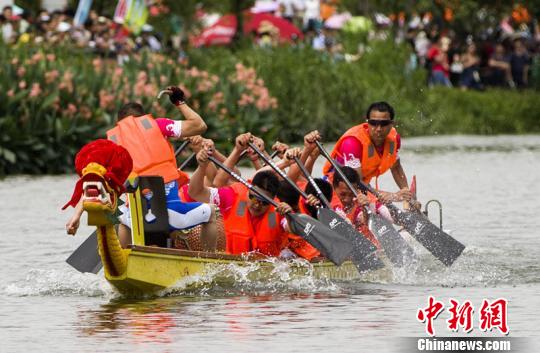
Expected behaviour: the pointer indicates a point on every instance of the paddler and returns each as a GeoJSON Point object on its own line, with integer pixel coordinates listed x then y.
{"type": "Point", "coordinates": [350, 207]}
{"type": "Point", "coordinates": [146, 140]}
{"type": "Point", "coordinates": [371, 149]}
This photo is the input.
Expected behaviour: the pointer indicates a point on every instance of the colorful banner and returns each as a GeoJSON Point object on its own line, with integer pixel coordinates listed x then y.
{"type": "Point", "coordinates": [121, 10]}
{"type": "Point", "coordinates": [136, 15]}
{"type": "Point", "coordinates": [82, 13]}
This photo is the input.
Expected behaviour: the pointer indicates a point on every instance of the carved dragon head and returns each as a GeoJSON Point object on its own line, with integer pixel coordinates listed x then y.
{"type": "Point", "coordinates": [103, 166]}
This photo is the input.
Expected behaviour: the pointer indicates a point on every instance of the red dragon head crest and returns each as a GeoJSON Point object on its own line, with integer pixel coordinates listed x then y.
{"type": "Point", "coordinates": [101, 160]}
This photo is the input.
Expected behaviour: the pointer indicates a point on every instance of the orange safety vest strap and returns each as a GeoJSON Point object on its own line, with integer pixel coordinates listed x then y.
{"type": "Point", "coordinates": [151, 152]}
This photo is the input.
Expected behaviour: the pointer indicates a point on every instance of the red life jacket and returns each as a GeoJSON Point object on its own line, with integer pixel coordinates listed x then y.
{"type": "Point", "coordinates": [152, 154]}
{"type": "Point", "coordinates": [373, 164]}
{"type": "Point", "coordinates": [243, 236]}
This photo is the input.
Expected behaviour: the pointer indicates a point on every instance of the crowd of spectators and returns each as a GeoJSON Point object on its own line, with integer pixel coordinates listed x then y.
{"type": "Point", "coordinates": [108, 37]}
{"type": "Point", "coordinates": [499, 57]}
{"type": "Point", "coordinates": [99, 34]}
{"type": "Point", "coordinates": [502, 56]}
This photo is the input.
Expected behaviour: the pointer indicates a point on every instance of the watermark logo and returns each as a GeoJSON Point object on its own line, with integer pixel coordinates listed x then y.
{"type": "Point", "coordinates": [492, 315]}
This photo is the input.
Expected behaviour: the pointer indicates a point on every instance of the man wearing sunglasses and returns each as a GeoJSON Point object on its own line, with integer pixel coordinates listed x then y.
{"type": "Point", "coordinates": [372, 149]}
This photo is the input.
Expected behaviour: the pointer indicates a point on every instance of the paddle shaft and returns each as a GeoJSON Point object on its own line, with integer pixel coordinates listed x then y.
{"type": "Point", "coordinates": [243, 181]}
{"type": "Point", "coordinates": [278, 170]}
{"type": "Point", "coordinates": [273, 154]}
{"type": "Point", "coordinates": [320, 194]}
{"type": "Point", "coordinates": [244, 152]}
{"type": "Point", "coordinates": [181, 148]}
{"type": "Point", "coordinates": [186, 162]}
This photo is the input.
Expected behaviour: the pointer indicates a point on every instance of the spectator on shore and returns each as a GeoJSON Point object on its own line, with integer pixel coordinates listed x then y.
{"type": "Point", "coordinates": [437, 57]}
{"type": "Point", "coordinates": [499, 64]}
{"type": "Point", "coordinates": [291, 10]}
{"type": "Point", "coordinates": [267, 35]}
{"type": "Point", "coordinates": [421, 46]}
{"type": "Point", "coordinates": [470, 77]}
{"type": "Point", "coordinates": [312, 16]}
{"type": "Point", "coordinates": [9, 32]}
{"type": "Point", "coordinates": [519, 64]}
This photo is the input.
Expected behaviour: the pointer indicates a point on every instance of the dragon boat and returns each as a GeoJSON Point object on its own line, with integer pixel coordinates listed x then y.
{"type": "Point", "coordinates": [150, 265]}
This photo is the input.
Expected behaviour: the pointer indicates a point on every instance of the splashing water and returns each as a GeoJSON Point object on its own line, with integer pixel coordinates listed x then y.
{"type": "Point", "coordinates": [40, 282]}
{"type": "Point", "coordinates": [234, 279]}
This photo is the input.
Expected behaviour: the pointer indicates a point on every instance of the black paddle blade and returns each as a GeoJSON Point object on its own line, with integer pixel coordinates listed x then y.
{"type": "Point", "coordinates": [331, 244]}
{"type": "Point", "coordinates": [371, 262]}
{"type": "Point", "coordinates": [395, 247]}
{"type": "Point", "coordinates": [364, 254]}
{"type": "Point", "coordinates": [86, 258]}
{"type": "Point", "coordinates": [441, 245]}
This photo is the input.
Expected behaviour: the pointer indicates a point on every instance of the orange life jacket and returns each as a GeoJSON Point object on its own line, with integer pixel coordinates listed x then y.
{"type": "Point", "coordinates": [152, 154]}
{"type": "Point", "coordinates": [373, 164]}
{"type": "Point", "coordinates": [242, 236]}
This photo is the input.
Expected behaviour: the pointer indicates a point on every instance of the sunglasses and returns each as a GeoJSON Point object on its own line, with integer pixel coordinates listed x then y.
{"type": "Point", "coordinates": [382, 123]}
{"type": "Point", "coordinates": [257, 198]}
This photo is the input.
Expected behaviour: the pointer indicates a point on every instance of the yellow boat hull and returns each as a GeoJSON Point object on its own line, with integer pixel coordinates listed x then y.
{"type": "Point", "coordinates": [152, 269]}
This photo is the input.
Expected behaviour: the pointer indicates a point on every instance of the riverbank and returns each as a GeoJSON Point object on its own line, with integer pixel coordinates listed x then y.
{"type": "Point", "coordinates": [54, 100]}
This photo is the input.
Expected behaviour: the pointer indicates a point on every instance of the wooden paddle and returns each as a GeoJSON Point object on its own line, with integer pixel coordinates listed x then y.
{"type": "Point", "coordinates": [86, 258]}
{"type": "Point", "coordinates": [329, 243]}
{"type": "Point", "coordinates": [364, 255]}
{"type": "Point", "coordinates": [395, 247]}
{"type": "Point", "coordinates": [441, 245]}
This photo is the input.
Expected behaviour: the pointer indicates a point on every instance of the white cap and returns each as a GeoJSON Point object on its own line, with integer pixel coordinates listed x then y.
{"type": "Point", "coordinates": [63, 27]}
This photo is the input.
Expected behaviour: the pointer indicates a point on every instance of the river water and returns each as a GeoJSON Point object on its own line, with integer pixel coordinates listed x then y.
{"type": "Point", "coordinates": [488, 187]}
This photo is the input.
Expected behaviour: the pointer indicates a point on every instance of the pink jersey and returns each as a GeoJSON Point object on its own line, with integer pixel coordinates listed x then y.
{"type": "Point", "coordinates": [222, 197]}
{"type": "Point", "coordinates": [169, 127]}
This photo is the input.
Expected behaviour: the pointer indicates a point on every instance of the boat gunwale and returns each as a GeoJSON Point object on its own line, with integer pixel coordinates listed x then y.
{"type": "Point", "coordinates": [207, 255]}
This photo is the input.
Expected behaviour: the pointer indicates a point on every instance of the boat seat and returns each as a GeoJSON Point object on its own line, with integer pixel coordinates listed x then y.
{"type": "Point", "coordinates": [155, 217]}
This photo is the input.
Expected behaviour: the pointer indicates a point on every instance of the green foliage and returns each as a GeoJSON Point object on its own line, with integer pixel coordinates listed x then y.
{"type": "Point", "coordinates": [54, 100]}
{"type": "Point", "coordinates": [315, 91]}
